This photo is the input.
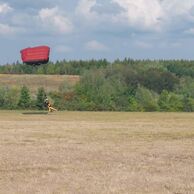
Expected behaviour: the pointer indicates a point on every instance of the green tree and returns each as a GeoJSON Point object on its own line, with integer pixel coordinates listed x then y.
{"type": "Point", "coordinates": [40, 98]}
{"type": "Point", "coordinates": [175, 102]}
{"type": "Point", "coordinates": [146, 99]}
{"type": "Point", "coordinates": [172, 102]}
{"type": "Point", "coordinates": [2, 97]}
{"type": "Point", "coordinates": [133, 104]}
{"type": "Point", "coordinates": [157, 80]}
{"type": "Point", "coordinates": [188, 104]}
{"type": "Point", "coordinates": [186, 87]}
{"type": "Point", "coordinates": [12, 97]}
{"type": "Point", "coordinates": [24, 101]}
{"type": "Point", "coordinates": [163, 101]}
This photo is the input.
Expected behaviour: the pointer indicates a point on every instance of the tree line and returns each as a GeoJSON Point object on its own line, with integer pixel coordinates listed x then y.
{"type": "Point", "coordinates": [21, 98]}
{"type": "Point", "coordinates": [122, 85]}
{"type": "Point", "coordinates": [58, 68]}
{"type": "Point", "coordinates": [78, 67]}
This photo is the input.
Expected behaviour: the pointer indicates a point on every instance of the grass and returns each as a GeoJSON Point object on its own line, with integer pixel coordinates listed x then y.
{"type": "Point", "coordinates": [33, 82]}
{"type": "Point", "coordinates": [96, 152]}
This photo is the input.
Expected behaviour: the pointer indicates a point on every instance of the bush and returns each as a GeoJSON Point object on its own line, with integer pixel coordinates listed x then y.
{"type": "Point", "coordinates": [9, 97]}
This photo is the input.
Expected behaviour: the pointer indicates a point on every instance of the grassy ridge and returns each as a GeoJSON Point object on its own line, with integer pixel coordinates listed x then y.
{"type": "Point", "coordinates": [33, 82]}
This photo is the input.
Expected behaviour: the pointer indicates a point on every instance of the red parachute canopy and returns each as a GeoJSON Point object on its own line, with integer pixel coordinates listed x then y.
{"type": "Point", "coordinates": [35, 55]}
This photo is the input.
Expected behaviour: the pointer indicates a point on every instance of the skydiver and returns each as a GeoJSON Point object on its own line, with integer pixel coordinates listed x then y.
{"type": "Point", "coordinates": [48, 105]}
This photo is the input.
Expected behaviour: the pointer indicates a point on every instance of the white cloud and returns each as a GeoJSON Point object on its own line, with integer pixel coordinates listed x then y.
{"type": "Point", "coordinates": [55, 21]}
{"type": "Point", "coordinates": [84, 8]}
{"type": "Point", "coordinates": [4, 8]}
{"type": "Point", "coordinates": [95, 46]}
{"type": "Point", "coordinates": [155, 14]}
{"type": "Point", "coordinates": [178, 14]}
{"type": "Point", "coordinates": [6, 29]}
{"type": "Point", "coordinates": [140, 13]}
{"type": "Point", "coordinates": [20, 19]}
{"type": "Point", "coordinates": [6, 26]}
{"type": "Point", "coordinates": [92, 12]}
{"type": "Point", "coordinates": [177, 7]}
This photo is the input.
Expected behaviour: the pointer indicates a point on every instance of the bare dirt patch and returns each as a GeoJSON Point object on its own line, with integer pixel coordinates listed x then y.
{"type": "Point", "coordinates": [84, 152]}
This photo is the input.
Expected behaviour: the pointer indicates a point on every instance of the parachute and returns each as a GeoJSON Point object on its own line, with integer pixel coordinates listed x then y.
{"type": "Point", "coordinates": [35, 55]}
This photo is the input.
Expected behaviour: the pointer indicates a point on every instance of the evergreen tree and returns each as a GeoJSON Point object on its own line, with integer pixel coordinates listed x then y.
{"type": "Point", "coordinates": [40, 98]}
{"type": "Point", "coordinates": [24, 101]}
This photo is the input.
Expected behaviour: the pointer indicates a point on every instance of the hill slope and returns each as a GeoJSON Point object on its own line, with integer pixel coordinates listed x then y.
{"type": "Point", "coordinates": [33, 82]}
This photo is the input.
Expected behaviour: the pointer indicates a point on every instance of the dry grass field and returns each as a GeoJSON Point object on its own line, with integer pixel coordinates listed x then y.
{"type": "Point", "coordinates": [84, 152]}
{"type": "Point", "coordinates": [33, 82]}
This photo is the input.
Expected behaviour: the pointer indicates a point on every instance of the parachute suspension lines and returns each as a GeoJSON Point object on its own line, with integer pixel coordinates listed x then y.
{"type": "Point", "coordinates": [36, 56]}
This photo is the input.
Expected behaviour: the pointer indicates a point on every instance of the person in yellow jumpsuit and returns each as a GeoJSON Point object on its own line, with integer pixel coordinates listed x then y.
{"type": "Point", "coordinates": [49, 106]}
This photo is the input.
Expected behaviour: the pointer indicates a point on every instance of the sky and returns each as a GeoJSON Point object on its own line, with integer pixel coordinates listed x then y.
{"type": "Point", "coordinates": [95, 29]}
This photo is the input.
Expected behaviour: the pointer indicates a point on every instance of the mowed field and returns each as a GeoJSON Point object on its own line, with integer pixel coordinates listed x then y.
{"type": "Point", "coordinates": [97, 152]}
{"type": "Point", "coordinates": [33, 82]}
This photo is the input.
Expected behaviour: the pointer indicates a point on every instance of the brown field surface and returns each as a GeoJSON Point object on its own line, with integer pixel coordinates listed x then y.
{"type": "Point", "coordinates": [33, 82]}
{"type": "Point", "coordinates": [93, 152]}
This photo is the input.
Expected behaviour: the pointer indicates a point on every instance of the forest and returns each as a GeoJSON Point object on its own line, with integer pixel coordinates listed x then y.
{"type": "Point", "coordinates": [120, 85]}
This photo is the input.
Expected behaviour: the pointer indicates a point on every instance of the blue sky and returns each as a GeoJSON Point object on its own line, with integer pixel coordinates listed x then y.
{"type": "Point", "coordinates": [85, 29]}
